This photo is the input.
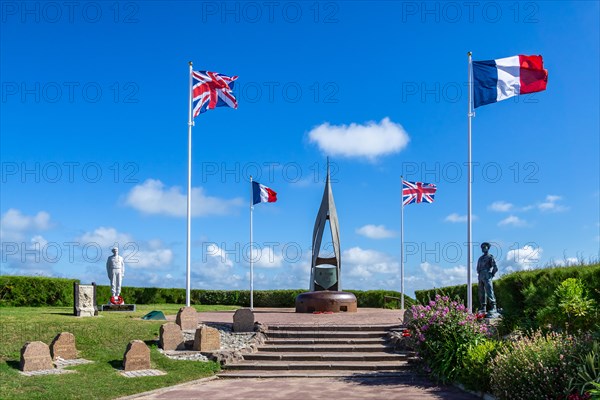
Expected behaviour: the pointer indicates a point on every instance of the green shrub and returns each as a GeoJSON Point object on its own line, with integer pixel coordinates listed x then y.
{"type": "Point", "coordinates": [33, 291]}
{"type": "Point", "coordinates": [442, 333]}
{"type": "Point", "coordinates": [40, 291]}
{"type": "Point", "coordinates": [476, 370]}
{"type": "Point", "coordinates": [587, 378]}
{"type": "Point", "coordinates": [537, 367]}
{"type": "Point", "coordinates": [568, 308]}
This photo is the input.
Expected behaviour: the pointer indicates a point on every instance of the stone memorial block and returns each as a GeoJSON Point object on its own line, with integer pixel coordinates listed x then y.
{"type": "Point", "coordinates": [171, 337]}
{"type": "Point", "coordinates": [63, 346]}
{"type": "Point", "coordinates": [408, 316]}
{"type": "Point", "coordinates": [35, 356]}
{"type": "Point", "coordinates": [243, 320]}
{"type": "Point", "coordinates": [187, 318]}
{"type": "Point", "coordinates": [207, 339]}
{"type": "Point", "coordinates": [84, 304]}
{"type": "Point", "coordinates": [137, 356]}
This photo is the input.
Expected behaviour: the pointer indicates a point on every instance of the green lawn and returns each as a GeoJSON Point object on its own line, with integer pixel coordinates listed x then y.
{"type": "Point", "coordinates": [101, 339]}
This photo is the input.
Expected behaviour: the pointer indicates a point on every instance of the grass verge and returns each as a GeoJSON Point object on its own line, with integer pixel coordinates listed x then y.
{"type": "Point", "coordinates": [101, 339]}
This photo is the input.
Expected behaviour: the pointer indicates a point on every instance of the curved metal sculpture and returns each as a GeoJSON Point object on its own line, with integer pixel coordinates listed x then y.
{"type": "Point", "coordinates": [326, 278]}
{"type": "Point", "coordinates": [325, 288]}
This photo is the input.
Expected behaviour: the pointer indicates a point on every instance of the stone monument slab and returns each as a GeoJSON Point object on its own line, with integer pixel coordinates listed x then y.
{"type": "Point", "coordinates": [63, 346]}
{"type": "Point", "coordinates": [84, 304]}
{"type": "Point", "coordinates": [207, 339]}
{"type": "Point", "coordinates": [243, 320]}
{"type": "Point", "coordinates": [187, 318]}
{"type": "Point", "coordinates": [35, 356]}
{"type": "Point", "coordinates": [137, 356]}
{"type": "Point", "coordinates": [171, 337]}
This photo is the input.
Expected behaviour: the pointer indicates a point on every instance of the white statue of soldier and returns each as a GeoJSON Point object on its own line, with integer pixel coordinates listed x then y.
{"type": "Point", "coordinates": [115, 268]}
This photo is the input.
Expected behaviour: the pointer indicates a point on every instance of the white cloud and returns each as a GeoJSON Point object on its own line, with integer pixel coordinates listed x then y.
{"type": "Point", "coordinates": [366, 264]}
{"type": "Point", "coordinates": [512, 220]}
{"type": "Point", "coordinates": [14, 225]}
{"type": "Point", "coordinates": [137, 254]}
{"type": "Point", "coordinates": [500, 206]}
{"type": "Point", "coordinates": [524, 258]}
{"type": "Point", "coordinates": [455, 218]}
{"type": "Point", "coordinates": [265, 257]}
{"type": "Point", "coordinates": [369, 141]}
{"type": "Point", "coordinates": [375, 232]}
{"type": "Point", "coordinates": [550, 204]}
{"type": "Point", "coordinates": [106, 238]}
{"type": "Point", "coordinates": [153, 197]}
{"type": "Point", "coordinates": [437, 276]}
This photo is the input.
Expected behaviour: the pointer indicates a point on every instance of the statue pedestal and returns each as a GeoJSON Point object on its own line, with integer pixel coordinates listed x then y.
{"type": "Point", "coordinates": [118, 307]}
{"type": "Point", "coordinates": [326, 301]}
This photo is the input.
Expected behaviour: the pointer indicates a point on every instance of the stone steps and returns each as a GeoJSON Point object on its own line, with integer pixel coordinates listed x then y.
{"type": "Point", "coordinates": [324, 341]}
{"type": "Point", "coordinates": [323, 348]}
{"type": "Point", "coordinates": [312, 356]}
{"type": "Point", "coordinates": [320, 365]}
{"type": "Point", "coordinates": [399, 376]}
{"type": "Point", "coordinates": [322, 351]}
{"type": "Point", "coordinates": [322, 334]}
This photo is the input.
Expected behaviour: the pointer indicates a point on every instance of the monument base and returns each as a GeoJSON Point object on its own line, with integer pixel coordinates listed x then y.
{"type": "Point", "coordinates": [118, 307]}
{"type": "Point", "coordinates": [325, 301]}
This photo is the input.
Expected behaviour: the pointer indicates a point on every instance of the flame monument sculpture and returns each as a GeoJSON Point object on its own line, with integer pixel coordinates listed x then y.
{"type": "Point", "coordinates": [325, 285]}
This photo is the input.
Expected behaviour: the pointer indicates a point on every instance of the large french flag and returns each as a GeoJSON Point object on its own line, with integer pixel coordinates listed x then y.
{"type": "Point", "coordinates": [262, 194]}
{"type": "Point", "coordinates": [495, 80]}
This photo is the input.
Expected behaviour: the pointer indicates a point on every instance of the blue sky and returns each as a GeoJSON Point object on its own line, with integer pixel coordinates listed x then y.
{"type": "Point", "coordinates": [93, 138]}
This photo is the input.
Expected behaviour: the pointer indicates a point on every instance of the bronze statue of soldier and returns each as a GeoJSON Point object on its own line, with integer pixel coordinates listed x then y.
{"type": "Point", "coordinates": [486, 270]}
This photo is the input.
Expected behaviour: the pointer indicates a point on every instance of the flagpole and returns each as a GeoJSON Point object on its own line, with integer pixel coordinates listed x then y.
{"type": "Point", "coordinates": [189, 194]}
{"type": "Point", "coordinates": [469, 184]}
{"type": "Point", "coordinates": [251, 248]}
{"type": "Point", "coordinates": [401, 243]}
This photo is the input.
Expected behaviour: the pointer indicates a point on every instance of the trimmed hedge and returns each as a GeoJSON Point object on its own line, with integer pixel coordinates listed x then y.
{"type": "Point", "coordinates": [39, 291]}
{"type": "Point", "coordinates": [509, 289]}
{"type": "Point", "coordinates": [35, 291]}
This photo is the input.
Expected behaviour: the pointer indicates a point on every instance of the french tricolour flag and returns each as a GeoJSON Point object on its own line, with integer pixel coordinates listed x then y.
{"type": "Point", "coordinates": [262, 194]}
{"type": "Point", "coordinates": [495, 80]}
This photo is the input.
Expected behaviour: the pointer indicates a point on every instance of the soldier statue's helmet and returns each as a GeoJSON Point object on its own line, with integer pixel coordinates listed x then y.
{"type": "Point", "coordinates": [114, 249]}
{"type": "Point", "coordinates": [485, 245]}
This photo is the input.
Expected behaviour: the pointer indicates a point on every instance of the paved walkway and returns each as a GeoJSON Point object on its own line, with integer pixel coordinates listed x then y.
{"type": "Point", "coordinates": [288, 316]}
{"type": "Point", "coordinates": [355, 387]}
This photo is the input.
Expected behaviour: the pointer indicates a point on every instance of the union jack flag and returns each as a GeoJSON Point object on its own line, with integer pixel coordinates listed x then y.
{"type": "Point", "coordinates": [417, 192]}
{"type": "Point", "coordinates": [210, 90]}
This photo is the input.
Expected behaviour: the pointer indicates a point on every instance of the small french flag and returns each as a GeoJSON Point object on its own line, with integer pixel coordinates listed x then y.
{"type": "Point", "coordinates": [495, 80]}
{"type": "Point", "coordinates": [262, 194]}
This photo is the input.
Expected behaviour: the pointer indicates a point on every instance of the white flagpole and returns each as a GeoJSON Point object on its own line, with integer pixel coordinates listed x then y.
{"type": "Point", "coordinates": [401, 243]}
{"type": "Point", "coordinates": [189, 194]}
{"type": "Point", "coordinates": [469, 184]}
{"type": "Point", "coordinates": [251, 249]}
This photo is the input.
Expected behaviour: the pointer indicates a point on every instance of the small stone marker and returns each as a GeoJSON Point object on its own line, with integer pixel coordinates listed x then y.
{"type": "Point", "coordinates": [35, 356]}
{"type": "Point", "coordinates": [408, 316]}
{"type": "Point", "coordinates": [243, 320]}
{"type": "Point", "coordinates": [187, 318]}
{"type": "Point", "coordinates": [137, 356]}
{"type": "Point", "coordinates": [207, 339]}
{"type": "Point", "coordinates": [171, 337]}
{"type": "Point", "coordinates": [63, 346]}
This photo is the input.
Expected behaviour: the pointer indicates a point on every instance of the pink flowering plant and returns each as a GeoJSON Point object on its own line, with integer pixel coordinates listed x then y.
{"type": "Point", "coordinates": [540, 366]}
{"type": "Point", "coordinates": [442, 333]}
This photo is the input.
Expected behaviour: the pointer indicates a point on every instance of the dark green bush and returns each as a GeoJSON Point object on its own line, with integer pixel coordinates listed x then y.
{"type": "Point", "coordinates": [33, 291]}
{"type": "Point", "coordinates": [39, 291]}
{"type": "Point", "coordinates": [521, 294]}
